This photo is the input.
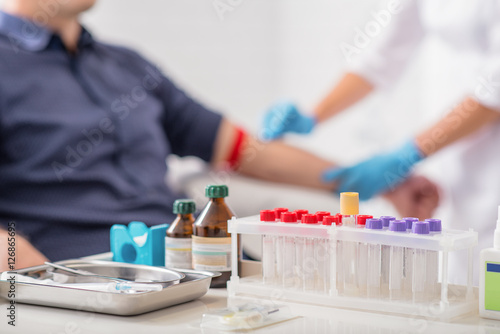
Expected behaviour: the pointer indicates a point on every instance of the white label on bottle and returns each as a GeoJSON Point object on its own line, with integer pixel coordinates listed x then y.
{"type": "Point", "coordinates": [213, 254]}
{"type": "Point", "coordinates": [178, 253]}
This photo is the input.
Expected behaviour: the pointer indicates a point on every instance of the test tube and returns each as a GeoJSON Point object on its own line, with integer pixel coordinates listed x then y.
{"type": "Point", "coordinates": [385, 251]}
{"type": "Point", "coordinates": [279, 243]}
{"type": "Point", "coordinates": [419, 266]}
{"type": "Point", "coordinates": [339, 261]}
{"type": "Point", "coordinates": [310, 265]}
{"type": "Point", "coordinates": [362, 257]}
{"type": "Point", "coordinates": [408, 259]}
{"type": "Point", "coordinates": [349, 208]}
{"type": "Point", "coordinates": [300, 248]}
{"type": "Point", "coordinates": [373, 267]}
{"type": "Point", "coordinates": [328, 263]}
{"type": "Point", "coordinates": [432, 262]}
{"type": "Point", "coordinates": [288, 251]}
{"type": "Point", "coordinates": [396, 277]}
{"type": "Point", "coordinates": [268, 249]}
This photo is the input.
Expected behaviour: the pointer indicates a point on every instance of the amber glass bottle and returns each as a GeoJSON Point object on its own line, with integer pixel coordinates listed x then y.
{"type": "Point", "coordinates": [178, 239]}
{"type": "Point", "coordinates": [211, 241]}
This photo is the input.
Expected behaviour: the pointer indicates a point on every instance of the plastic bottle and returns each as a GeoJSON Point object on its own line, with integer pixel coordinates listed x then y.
{"type": "Point", "coordinates": [268, 250]}
{"type": "Point", "coordinates": [419, 266]}
{"type": "Point", "coordinates": [373, 266]}
{"type": "Point", "coordinates": [211, 240]}
{"type": "Point", "coordinates": [489, 277]}
{"type": "Point", "coordinates": [396, 276]}
{"type": "Point", "coordinates": [178, 236]}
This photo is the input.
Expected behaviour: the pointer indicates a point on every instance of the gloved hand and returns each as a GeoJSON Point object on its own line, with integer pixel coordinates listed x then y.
{"type": "Point", "coordinates": [284, 117]}
{"type": "Point", "coordinates": [377, 174]}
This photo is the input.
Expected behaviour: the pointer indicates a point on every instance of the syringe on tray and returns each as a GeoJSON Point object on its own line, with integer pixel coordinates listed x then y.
{"type": "Point", "coordinates": [348, 255]}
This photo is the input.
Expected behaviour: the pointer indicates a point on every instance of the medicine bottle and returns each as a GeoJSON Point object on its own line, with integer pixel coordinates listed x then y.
{"type": "Point", "coordinates": [178, 238]}
{"type": "Point", "coordinates": [211, 240]}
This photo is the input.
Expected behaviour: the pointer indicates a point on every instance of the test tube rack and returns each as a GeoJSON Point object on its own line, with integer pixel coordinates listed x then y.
{"type": "Point", "coordinates": [321, 283]}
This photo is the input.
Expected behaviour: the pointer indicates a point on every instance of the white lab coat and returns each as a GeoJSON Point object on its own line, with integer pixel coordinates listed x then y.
{"type": "Point", "coordinates": [469, 170]}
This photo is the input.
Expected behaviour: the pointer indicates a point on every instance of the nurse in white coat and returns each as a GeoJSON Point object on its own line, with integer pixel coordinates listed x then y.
{"type": "Point", "coordinates": [465, 142]}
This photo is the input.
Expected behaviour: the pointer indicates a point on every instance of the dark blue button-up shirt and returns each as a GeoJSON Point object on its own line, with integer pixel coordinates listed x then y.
{"type": "Point", "coordinates": [84, 137]}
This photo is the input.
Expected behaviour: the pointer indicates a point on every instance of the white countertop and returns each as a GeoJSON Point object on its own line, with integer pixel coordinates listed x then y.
{"type": "Point", "coordinates": [186, 318]}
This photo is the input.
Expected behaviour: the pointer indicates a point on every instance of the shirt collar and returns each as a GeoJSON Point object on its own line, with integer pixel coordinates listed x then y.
{"type": "Point", "coordinates": [29, 36]}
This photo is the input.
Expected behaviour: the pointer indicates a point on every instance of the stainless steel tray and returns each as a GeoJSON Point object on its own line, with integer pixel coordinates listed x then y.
{"type": "Point", "coordinates": [194, 285]}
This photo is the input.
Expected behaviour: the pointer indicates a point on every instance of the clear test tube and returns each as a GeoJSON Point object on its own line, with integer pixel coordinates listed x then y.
{"type": "Point", "coordinates": [385, 259]}
{"type": "Point", "coordinates": [362, 257]}
{"type": "Point", "coordinates": [349, 208]}
{"type": "Point", "coordinates": [279, 244]}
{"type": "Point", "coordinates": [432, 262]}
{"type": "Point", "coordinates": [339, 261]}
{"type": "Point", "coordinates": [396, 278]}
{"type": "Point", "coordinates": [374, 261]}
{"type": "Point", "coordinates": [408, 260]}
{"type": "Point", "coordinates": [419, 266]}
{"type": "Point", "coordinates": [309, 264]}
{"type": "Point", "coordinates": [268, 249]}
{"type": "Point", "coordinates": [330, 248]}
{"type": "Point", "coordinates": [288, 251]}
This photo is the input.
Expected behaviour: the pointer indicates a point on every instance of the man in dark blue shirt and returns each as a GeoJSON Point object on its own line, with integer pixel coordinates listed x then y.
{"type": "Point", "coordinates": [85, 130]}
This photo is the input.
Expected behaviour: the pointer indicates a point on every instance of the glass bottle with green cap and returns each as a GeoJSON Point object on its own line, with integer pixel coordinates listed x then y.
{"type": "Point", "coordinates": [211, 240]}
{"type": "Point", "coordinates": [178, 249]}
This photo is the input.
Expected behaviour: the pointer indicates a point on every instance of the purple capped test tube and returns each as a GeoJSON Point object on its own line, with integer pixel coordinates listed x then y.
{"type": "Point", "coordinates": [419, 266]}
{"type": "Point", "coordinates": [374, 259]}
{"type": "Point", "coordinates": [432, 262]}
{"type": "Point", "coordinates": [396, 281]}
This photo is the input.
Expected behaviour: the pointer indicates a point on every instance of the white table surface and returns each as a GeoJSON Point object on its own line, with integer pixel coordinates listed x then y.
{"type": "Point", "coordinates": [186, 318]}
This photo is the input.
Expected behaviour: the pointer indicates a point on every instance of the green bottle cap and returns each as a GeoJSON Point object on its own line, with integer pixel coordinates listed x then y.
{"type": "Point", "coordinates": [216, 191]}
{"type": "Point", "coordinates": [184, 206]}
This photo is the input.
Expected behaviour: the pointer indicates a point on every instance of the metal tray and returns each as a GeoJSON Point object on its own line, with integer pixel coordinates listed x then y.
{"type": "Point", "coordinates": [194, 285]}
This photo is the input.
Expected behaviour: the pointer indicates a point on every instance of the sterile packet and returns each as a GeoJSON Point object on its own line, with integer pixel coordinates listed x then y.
{"type": "Point", "coordinates": [244, 317]}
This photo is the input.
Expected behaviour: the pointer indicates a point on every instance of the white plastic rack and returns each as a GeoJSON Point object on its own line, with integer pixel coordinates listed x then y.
{"type": "Point", "coordinates": [309, 263]}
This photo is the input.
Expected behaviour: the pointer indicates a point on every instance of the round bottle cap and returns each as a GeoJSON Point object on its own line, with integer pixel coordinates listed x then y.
{"type": "Point", "coordinates": [184, 206]}
{"type": "Point", "coordinates": [289, 217]}
{"type": "Point", "coordinates": [278, 212]}
{"type": "Point", "coordinates": [374, 224]}
{"type": "Point", "coordinates": [267, 216]}
{"type": "Point", "coordinates": [216, 191]}
{"type": "Point", "coordinates": [434, 225]}
{"type": "Point", "coordinates": [349, 203]}
{"type": "Point", "coordinates": [309, 219]}
{"type": "Point", "coordinates": [397, 226]}
{"type": "Point", "coordinates": [329, 220]}
{"type": "Point", "coordinates": [420, 228]}
{"type": "Point", "coordinates": [300, 213]}
{"type": "Point", "coordinates": [386, 220]}
{"type": "Point", "coordinates": [361, 219]}
{"type": "Point", "coordinates": [321, 214]}
{"type": "Point", "coordinates": [409, 222]}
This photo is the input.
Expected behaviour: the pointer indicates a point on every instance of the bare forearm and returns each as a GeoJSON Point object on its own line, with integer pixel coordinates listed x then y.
{"type": "Point", "coordinates": [278, 162]}
{"type": "Point", "coordinates": [25, 254]}
{"type": "Point", "coordinates": [468, 117]}
{"type": "Point", "coordinates": [349, 90]}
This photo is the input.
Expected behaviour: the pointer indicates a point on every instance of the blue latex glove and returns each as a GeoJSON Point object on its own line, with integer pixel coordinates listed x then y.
{"type": "Point", "coordinates": [377, 174]}
{"type": "Point", "coordinates": [284, 117]}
